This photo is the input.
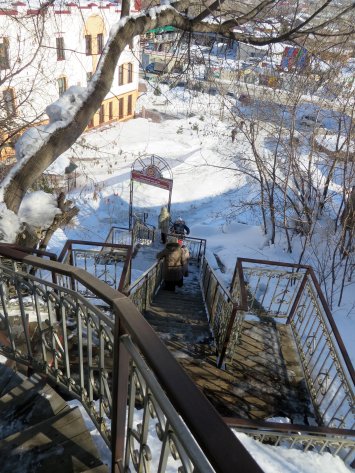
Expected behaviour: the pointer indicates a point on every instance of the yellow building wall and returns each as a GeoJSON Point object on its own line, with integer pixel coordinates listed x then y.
{"type": "Point", "coordinates": [115, 116]}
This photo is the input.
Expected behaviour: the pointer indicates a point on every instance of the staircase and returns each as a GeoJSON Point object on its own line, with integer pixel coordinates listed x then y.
{"type": "Point", "coordinates": [38, 430]}
{"type": "Point", "coordinates": [264, 379]}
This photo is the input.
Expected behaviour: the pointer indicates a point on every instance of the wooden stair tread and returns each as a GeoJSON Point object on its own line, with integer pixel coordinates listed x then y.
{"type": "Point", "coordinates": [9, 379]}
{"type": "Point", "coordinates": [59, 444]}
{"type": "Point", "coordinates": [29, 403]}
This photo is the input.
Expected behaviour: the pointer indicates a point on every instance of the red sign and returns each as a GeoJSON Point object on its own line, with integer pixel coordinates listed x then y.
{"type": "Point", "coordinates": [151, 179]}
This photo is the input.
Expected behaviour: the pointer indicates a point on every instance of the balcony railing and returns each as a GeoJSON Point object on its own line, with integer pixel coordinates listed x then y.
{"type": "Point", "coordinates": [109, 262]}
{"type": "Point", "coordinates": [225, 315]}
{"type": "Point", "coordinates": [142, 291]}
{"type": "Point", "coordinates": [196, 246]}
{"type": "Point", "coordinates": [141, 233]}
{"type": "Point", "coordinates": [291, 294]}
{"type": "Point", "coordinates": [142, 368]}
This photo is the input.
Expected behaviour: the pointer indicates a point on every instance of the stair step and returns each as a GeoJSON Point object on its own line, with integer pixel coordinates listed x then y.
{"type": "Point", "coordinates": [191, 351]}
{"type": "Point", "coordinates": [60, 444]}
{"type": "Point", "coordinates": [179, 308]}
{"type": "Point", "coordinates": [28, 404]}
{"type": "Point", "coordinates": [151, 315]}
{"type": "Point", "coordinates": [169, 324]}
{"type": "Point", "coordinates": [9, 379]}
{"type": "Point", "coordinates": [98, 469]}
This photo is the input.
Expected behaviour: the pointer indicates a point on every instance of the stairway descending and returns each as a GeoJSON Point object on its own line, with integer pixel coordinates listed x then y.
{"type": "Point", "coordinates": [180, 319]}
{"type": "Point", "coordinates": [263, 380]}
{"type": "Point", "coordinates": [38, 430]}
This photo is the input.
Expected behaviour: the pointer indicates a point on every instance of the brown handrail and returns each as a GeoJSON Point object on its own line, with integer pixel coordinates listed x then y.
{"type": "Point", "coordinates": [68, 246]}
{"type": "Point", "coordinates": [309, 270]}
{"type": "Point", "coordinates": [236, 307]}
{"type": "Point", "coordinates": [224, 451]}
{"type": "Point", "coordinates": [140, 279]}
{"type": "Point", "coordinates": [309, 429]}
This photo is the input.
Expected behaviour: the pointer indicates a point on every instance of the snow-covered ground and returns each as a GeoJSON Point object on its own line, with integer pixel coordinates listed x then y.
{"type": "Point", "coordinates": [207, 185]}
{"type": "Point", "coordinates": [271, 459]}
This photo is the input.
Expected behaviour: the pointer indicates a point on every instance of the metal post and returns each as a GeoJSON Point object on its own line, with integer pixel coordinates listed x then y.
{"type": "Point", "coordinates": [298, 297]}
{"type": "Point", "coordinates": [119, 395]}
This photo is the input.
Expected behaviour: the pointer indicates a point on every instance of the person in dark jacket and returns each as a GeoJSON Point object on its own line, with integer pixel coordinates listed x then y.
{"type": "Point", "coordinates": [173, 264]}
{"type": "Point", "coordinates": [179, 227]}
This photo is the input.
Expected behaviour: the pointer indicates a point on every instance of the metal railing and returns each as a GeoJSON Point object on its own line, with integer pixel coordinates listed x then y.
{"type": "Point", "coordinates": [141, 233]}
{"type": "Point", "coordinates": [142, 291]}
{"type": "Point", "coordinates": [196, 246]}
{"type": "Point", "coordinates": [310, 438]}
{"type": "Point", "coordinates": [107, 261]}
{"type": "Point", "coordinates": [120, 236]}
{"type": "Point", "coordinates": [186, 423]}
{"type": "Point", "coordinates": [225, 315]}
{"type": "Point", "coordinates": [282, 290]}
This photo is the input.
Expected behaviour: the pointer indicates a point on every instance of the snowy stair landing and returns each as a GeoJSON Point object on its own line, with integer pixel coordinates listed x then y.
{"type": "Point", "coordinates": [263, 380]}
{"type": "Point", "coordinates": [38, 431]}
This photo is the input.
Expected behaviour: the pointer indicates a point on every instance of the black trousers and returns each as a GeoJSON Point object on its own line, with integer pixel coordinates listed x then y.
{"type": "Point", "coordinates": [163, 238]}
{"type": "Point", "coordinates": [170, 285]}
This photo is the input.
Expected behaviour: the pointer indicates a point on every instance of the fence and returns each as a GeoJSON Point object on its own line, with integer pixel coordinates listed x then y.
{"type": "Point", "coordinates": [186, 424]}
{"type": "Point", "coordinates": [309, 438]}
{"type": "Point", "coordinates": [141, 233]}
{"type": "Point", "coordinates": [196, 246]}
{"type": "Point", "coordinates": [226, 317]}
{"type": "Point", "coordinates": [110, 263]}
{"type": "Point", "coordinates": [142, 291]}
{"type": "Point", "coordinates": [292, 292]}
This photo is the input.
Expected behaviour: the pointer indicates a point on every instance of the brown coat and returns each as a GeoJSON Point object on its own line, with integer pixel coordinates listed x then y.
{"type": "Point", "coordinates": [174, 262]}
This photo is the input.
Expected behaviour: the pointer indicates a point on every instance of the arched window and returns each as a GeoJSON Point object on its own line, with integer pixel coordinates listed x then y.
{"type": "Point", "coordinates": [9, 102]}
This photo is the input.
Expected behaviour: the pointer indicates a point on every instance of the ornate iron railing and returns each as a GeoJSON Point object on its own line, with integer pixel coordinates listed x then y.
{"type": "Point", "coordinates": [269, 291]}
{"type": "Point", "coordinates": [120, 236]}
{"type": "Point", "coordinates": [196, 246]}
{"type": "Point", "coordinates": [107, 261]}
{"type": "Point", "coordinates": [153, 380]}
{"type": "Point", "coordinates": [293, 292]}
{"type": "Point", "coordinates": [141, 233]}
{"type": "Point", "coordinates": [142, 291]}
{"type": "Point", "coordinates": [225, 315]}
{"type": "Point", "coordinates": [310, 438]}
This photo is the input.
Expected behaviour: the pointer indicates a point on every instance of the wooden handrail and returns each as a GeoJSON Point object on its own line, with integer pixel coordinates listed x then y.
{"type": "Point", "coordinates": [223, 450]}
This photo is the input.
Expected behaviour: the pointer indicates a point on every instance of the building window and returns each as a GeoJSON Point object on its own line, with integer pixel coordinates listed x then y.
{"type": "Point", "coordinates": [100, 43]}
{"type": "Point", "coordinates": [91, 124]}
{"type": "Point", "coordinates": [102, 114]}
{"type": "Point", "coordinates": [110, 114]}
{"type": "Point", "coordinates": [60, 49]}
{"type": "Point", "coordinates": [88, 49]}
{"type": "Point", "coordinates": [120, 75]}
{"type": "Point", "coordinates": [120, 108]}
{"type": "Point", "coordinates": [88, 77]}
{"type": "Point", "coordinates": [4, 53]}
{"type": "Point", "coordinates": [9, 102]}
{"type": "Point", "coordinates": [62, 83]}
{"type": "Point", "coordinates": [130, 73]}
{"type": "Point", "coordinates": [129, 105]}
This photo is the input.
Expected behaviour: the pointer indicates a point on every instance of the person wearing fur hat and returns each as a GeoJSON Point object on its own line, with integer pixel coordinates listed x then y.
{"type": "Point", "coordinates": [163, 223]}
{"type": "Point", "coordinates": [174, 261]}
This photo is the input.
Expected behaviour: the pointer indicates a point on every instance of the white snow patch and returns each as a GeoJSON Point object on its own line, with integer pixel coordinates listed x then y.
{"type": "Point", "coordinates": [282, 460]}
{"type": "Point", "coordinates": [38, 209]}
{"type": "Point", "coordinates": [59, 165]}
{"type": "Point", "coordinates": [9, 224]}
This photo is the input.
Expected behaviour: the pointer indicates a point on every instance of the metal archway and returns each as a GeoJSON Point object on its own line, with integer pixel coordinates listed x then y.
{"type": "Point", "coordinates": [154, 171]}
